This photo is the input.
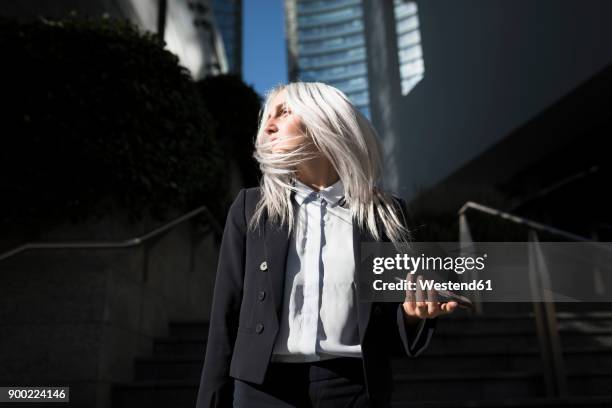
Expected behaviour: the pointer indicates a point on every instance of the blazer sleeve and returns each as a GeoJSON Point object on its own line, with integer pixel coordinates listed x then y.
{"type": "Point", "coordinates": [216, 386]}
{"type": "Point", "coordinates": [414, 337]}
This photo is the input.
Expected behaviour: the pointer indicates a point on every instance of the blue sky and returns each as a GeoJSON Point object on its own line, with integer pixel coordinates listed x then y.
{"type": "Point", "coordinates": [264, 54]}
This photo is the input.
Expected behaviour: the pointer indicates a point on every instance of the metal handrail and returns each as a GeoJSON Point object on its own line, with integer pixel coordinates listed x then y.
{"type": "Point", "coordinates": [521, 220]}
{"type": "Point", "coordinates": [127, 243]}
{"type": "Point", "coordinates": [545, 314]}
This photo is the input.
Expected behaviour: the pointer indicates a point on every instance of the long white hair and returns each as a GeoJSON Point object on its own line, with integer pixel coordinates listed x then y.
{"type": "Point", "coordinates": [335, 128]}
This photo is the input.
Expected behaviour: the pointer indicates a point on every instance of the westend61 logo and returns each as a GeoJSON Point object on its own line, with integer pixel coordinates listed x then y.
{"type": "Point", "coordinates": [415, 264]}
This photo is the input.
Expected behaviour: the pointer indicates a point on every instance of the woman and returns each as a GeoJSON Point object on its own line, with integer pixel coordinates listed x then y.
{"type": "Point", "coordinates": [287, 328]}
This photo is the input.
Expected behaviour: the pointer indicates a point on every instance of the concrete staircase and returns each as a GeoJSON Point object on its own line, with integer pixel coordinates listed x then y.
{"type": "Point", "coordinates": [171, 376]}
{"type": "Point", "coordinates": [472, 361]}
{"type": "Point", "coordinates": [494, 361]}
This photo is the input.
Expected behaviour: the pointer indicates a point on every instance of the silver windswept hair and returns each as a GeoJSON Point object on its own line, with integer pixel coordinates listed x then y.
{"type": "Point", "coordinates": [335, 128]}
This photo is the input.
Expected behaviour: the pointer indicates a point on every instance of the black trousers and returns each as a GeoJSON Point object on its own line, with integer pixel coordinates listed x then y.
{"type": "Point", "coordinates": [335, 383]}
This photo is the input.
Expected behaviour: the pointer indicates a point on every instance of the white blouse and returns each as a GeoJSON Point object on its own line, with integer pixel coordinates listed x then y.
{"type": "Point", "coordinates": [319, 313]}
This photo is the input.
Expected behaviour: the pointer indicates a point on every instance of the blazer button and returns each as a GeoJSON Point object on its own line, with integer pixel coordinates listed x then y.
{"type": "Point", "coordinates": [261, 295]}
{"type": "Point", "coordinates": [259, 328]}
{"type": "Point", "coordinates": [263, 266]}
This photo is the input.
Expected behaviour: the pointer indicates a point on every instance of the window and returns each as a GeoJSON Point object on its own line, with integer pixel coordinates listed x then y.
{"type": "Point", "coordinates": [410, 52]}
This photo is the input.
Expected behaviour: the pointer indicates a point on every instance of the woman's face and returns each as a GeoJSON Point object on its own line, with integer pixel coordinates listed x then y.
{"type": "Point", "coordinates": [282, 127]}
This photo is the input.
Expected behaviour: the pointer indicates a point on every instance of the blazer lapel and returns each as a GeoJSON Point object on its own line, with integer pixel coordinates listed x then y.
{"type": "Point", "coordinates": [363, 308]}
{"type": "Point", "coordinates": [276, 243]}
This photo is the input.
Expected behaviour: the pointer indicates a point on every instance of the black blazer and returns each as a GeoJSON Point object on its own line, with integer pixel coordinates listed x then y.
{"type": "Point", "coordinates": [247, 307]}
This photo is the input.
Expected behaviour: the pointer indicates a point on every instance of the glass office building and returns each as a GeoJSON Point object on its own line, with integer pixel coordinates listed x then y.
{"type": "Point", "coordinates": [325, 41]}
{"type": "Point", "coordinates": [228, 15]}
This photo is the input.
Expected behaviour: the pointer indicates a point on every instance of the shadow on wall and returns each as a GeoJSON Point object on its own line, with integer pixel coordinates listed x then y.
{"type": "Point", "coordinates": [434, 212]}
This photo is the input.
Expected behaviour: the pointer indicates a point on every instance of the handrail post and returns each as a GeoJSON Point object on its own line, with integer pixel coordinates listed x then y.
{"type": "Point", "coordinates": [546, 320]}
{"type": "Point", "coordinates": [465, 239]}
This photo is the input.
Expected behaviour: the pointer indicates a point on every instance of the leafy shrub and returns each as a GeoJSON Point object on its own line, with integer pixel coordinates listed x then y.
{"type": "Point", "coordinates": [97, 109]}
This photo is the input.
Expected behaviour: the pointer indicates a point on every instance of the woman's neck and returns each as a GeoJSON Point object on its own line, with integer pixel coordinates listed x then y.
{"type": "Point", "coordinates": [317, 173]}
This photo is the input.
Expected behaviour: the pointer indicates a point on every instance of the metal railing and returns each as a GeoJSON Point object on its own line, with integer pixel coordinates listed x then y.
{"type": "Point", "coordinates": [544, 312]}
{"type": "Point", "coordinates": [520, 220]}
{"type": "Point", "coordinates": [127, 243]}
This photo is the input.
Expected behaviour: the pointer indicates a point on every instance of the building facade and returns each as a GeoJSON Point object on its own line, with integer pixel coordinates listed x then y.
{"type": "Point", "coordinates": [228, 15]}
{"type": "Point", "coordinates": [326, 43]}
{"type": "Point", "coordinates": [455, 89]}
{"type": "Point", "coordinates": [506, 106]}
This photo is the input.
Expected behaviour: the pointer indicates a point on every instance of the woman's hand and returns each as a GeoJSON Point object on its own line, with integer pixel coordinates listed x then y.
{"type": "Point", "coordinates": [422, 304]}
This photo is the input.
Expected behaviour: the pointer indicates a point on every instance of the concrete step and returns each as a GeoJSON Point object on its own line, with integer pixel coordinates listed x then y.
{"type": "Point", "coordinates": [168, 368]}
{"type": "Point", "coordinates": [462, 323]}
{"type": "Point", "coordinates": [179, 346]}
{"type": "Point", "coordinates": [576, 359]}
{"type": "Point", "coordinates": [486, 359]}
{"type": "Point", "coordinates": [566, 402]}
{"type": "Point", "coordinates": [154, 394]}
{"type": "Point", "coordinates": [596, 382]}
{"type": "Point", "coordinates": [513, 322]}
{"type": "Point", "coordinates": [194, 329]}
{"type": "Point", "coordinates": [460, 319]}
{"type": "Point", "coordinates": [468, 386]}
{"type": "Point", "coordinates": [515, 340]}
{"type": "Point", "coordinates": [494, 390]}
{"type": "Point", "coordinates": [493, 308]}
{"type": "Point", "coordinates": [494, 385]}
{"type": "Point", "coordinates": [481, 339]}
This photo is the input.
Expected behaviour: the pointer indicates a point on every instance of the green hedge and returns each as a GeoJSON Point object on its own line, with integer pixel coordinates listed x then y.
{"type": "Point", "coordinates": [97, 109]}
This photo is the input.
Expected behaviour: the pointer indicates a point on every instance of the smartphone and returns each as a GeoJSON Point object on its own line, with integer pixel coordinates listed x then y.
{"type": "Point", "coordinates": [462, 301]}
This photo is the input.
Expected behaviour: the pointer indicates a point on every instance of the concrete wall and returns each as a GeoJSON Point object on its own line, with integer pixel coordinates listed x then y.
{"type": "Point", "coordinates": [490, 66]}
{"type": "Point", "coordinates": [80, 317]}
